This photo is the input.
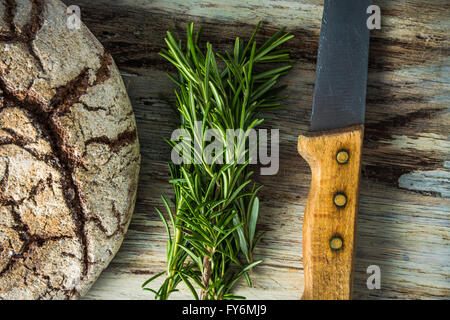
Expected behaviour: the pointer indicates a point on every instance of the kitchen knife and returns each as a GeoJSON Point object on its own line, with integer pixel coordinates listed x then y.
{"type": "Point", "coordinates": [332, 149]}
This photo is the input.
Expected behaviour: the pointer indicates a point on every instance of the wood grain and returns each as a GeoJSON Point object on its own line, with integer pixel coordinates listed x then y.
{"type": "Point", "coordinates": [403, 223]}
{"type": "Point", "coordinates": [328, 269]}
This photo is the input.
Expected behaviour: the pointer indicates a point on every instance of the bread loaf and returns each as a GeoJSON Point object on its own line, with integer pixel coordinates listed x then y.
{"type": "Point", "coordinates": [69, 154]}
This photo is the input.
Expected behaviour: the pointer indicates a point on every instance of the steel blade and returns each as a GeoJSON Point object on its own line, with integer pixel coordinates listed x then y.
{"type": "Point", "coordinates": [341, 73]}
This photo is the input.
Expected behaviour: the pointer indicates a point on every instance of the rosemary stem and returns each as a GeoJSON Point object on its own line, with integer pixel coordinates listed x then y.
{"type": "Point", "coordinates": [172, 266]}
{"type": "Point", "coordinates": [206, 275]}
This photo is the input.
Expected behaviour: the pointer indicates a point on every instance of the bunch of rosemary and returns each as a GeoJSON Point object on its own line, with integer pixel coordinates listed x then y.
{"type": "Point", "coordinates": [216, 205]}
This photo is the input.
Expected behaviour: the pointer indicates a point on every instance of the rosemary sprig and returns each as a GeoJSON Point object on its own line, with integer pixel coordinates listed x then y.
{"type": "Point", "coordinates": [216, 206]}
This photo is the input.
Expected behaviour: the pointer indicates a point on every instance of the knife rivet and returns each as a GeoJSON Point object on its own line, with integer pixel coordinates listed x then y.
{"type": "Point", "coordinates": [340, 200]}
{"type": "Point", "coordinates": [342, 157]}
{"type": "Point", "coordinates": [336, 243]}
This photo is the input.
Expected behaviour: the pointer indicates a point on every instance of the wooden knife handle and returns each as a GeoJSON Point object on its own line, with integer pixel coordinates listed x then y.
{"type": "Point", "coordinates": [329, 225]}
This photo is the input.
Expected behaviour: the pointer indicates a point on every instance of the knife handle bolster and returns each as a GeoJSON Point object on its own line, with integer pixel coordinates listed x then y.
{"type": "Point", "coordinates": [329, 224]}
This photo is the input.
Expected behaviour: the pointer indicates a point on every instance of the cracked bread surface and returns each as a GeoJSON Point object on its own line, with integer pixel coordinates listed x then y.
{"type": "Point", "coordinates": [69, 154]}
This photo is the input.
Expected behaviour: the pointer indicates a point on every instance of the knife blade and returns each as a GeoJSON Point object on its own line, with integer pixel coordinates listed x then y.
{"type": "Point", "coordinates": [333, 150]}
{"type": "Point", "coordinates": [341, 71]}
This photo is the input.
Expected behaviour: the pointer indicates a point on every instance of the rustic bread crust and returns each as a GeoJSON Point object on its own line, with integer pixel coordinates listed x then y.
{"type": "Point", "coordinates": [69, 154]}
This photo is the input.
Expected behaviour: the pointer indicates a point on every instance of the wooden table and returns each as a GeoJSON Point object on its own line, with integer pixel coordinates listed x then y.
{"type": "Point", "coordinates": [404, 223]}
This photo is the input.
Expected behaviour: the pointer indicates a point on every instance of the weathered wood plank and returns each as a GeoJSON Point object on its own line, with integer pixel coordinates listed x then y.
{"type": "Point", "coordinates": [404, 221]}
